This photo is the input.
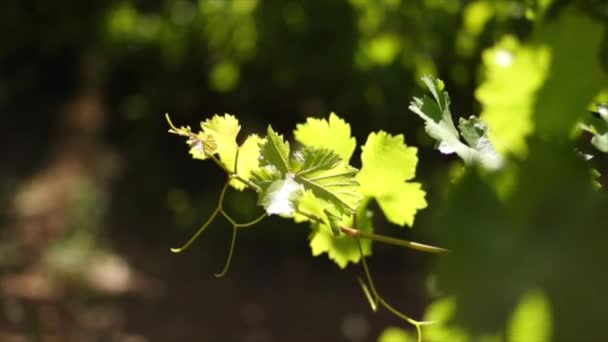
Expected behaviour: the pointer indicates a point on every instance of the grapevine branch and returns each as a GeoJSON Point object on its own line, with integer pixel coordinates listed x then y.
{"type": "Point", "coordinates": [368, 286]}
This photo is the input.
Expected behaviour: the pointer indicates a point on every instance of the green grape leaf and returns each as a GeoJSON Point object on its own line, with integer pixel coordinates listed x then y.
{"type": "Point", "coordinates": [274, 151]}
{"type": "Point", "coordinates": [341, 249]}
{"type": "Point", "coordinates": [437, 116]}
{"type": "Point", "coordinates": [333, 134]}
{"type": "Point", "coordinates": [201, 145]}
{"type": "Point", "coordinates": [475, 133]}
{"type": "Point", "coordinates": [325, 174]}
{"type": "Point", "coordinates": [319, 170]}
{"type": "Point", "coordinates": [387, 166]}
{"type": "Point", "coordinates": [249, 154]}
{"type": "Point", "coordinates": [439, 125]}
{"type": "Point", "coordinates": [281, 197]}
{"type": "Point", "coordinates": [223, 130]}
{"type": "Point", "coordinates": [513, 75]}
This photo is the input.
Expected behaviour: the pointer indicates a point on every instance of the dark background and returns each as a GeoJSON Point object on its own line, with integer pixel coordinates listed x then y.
{"type": "Point", "coordinates": [94, 192]}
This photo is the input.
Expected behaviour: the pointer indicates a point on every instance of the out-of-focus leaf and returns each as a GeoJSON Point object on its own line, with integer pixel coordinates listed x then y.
{"type": "Point", "coordinates": [440, 126]}
{"type": "Point", "coordinates": [531, 320]}
{"type": "Point", "coordinates": [513, 74]}
{"type": "Point", "coordinates": [575, 75]}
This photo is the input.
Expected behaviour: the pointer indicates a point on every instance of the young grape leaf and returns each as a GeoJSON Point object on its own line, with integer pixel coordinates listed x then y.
{"type": "Point", "coordinates": [324, 173]}
{"type": "Point", "coordinates": [439, 125]}
{"type": "Point", "coordinates": [218, 136]}
{"type": "Point", "coordinates": [475, 133]}
{"type": "Point", "coordinates": [437, 116]}
{"type": "Point", "coordinates": [333, 134]}
{"type": "Point", "coordinates": [281, 196]}
{"type": "Point", "coordinates": [275, 151]}
{"type": "Point", "coordinates": [313, 209]}
{"type": "Point", "coordinates": [387, 166]}
{"type": "Point", "coordinates": [342, 249]}
{"type": "Point", "coordinates": [249, 154]}
{"type": "Point", "coordinates": [321, 171]}
{"type": "Point", "coordinates": [201, 145]}
{"type": "Point", "coordinates": [224, 130]}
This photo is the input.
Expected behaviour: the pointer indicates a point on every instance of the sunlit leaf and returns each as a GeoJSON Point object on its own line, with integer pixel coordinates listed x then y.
{"type": "Point", "coordinates": [387, 165]}
{"type": "Point", "coordinates": [333, 134]}
{"type": "Point", "coordinates": [321, 171]}
{"type": "Point", "coordinates": [249, 154]}
{"type": "Point", "coordinates": [324, 173]}
{"type": "Point", "coordinates": [281, 196]}
{"type": "Point", "coordinates": [224, 130]}
{"type": "Point", "coordinates": [274, 151]}
{"type": "Point", "coordinates": [342, 249]}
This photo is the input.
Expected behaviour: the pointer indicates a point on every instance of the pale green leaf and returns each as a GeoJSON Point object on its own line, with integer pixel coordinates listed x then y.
{"type": "Point", "coordinates": [333, 134]}
{"type": "Point", "coordinates": [201, 145]}
{"type": "Point", "coordinates": [249, 154]}
{"type": "Point", "coordinates": [402, 203]}
{"type": "Point", "coordinates": [323, 172]}
{"type": "Point", "coordinates": [274, 151]}
{"type": "Point", "coordinates": [531, 320]}
{"type": "Point", "coordinates": [224, 130]}
{"type": "Point", "coordinates": [342, 249]}
{"type": "Point", "coordinates": [387, 163]}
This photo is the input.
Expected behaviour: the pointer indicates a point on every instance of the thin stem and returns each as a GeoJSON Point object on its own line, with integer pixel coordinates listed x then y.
{"type": "Point", "coordinates": [393, 241]}
{"type": "Point", "coordinates": [195, 236]}
{"type": "Point", "coordinates": [175, 129]}
{"type": "Point", "coordinates": [246, 182]}
{"type": "Point", "coordinates": [236, 162]}
{"type": "Point", "coordinates": [368, 274]}
{"type": "Point", "coordinates": [217, 210]}
{"type": "Point", "coordinates": [230, 253]}
{"type": "Point", "coordinates": [380, 300]}
{"type": "Point", "coordinates": [218, 162]}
